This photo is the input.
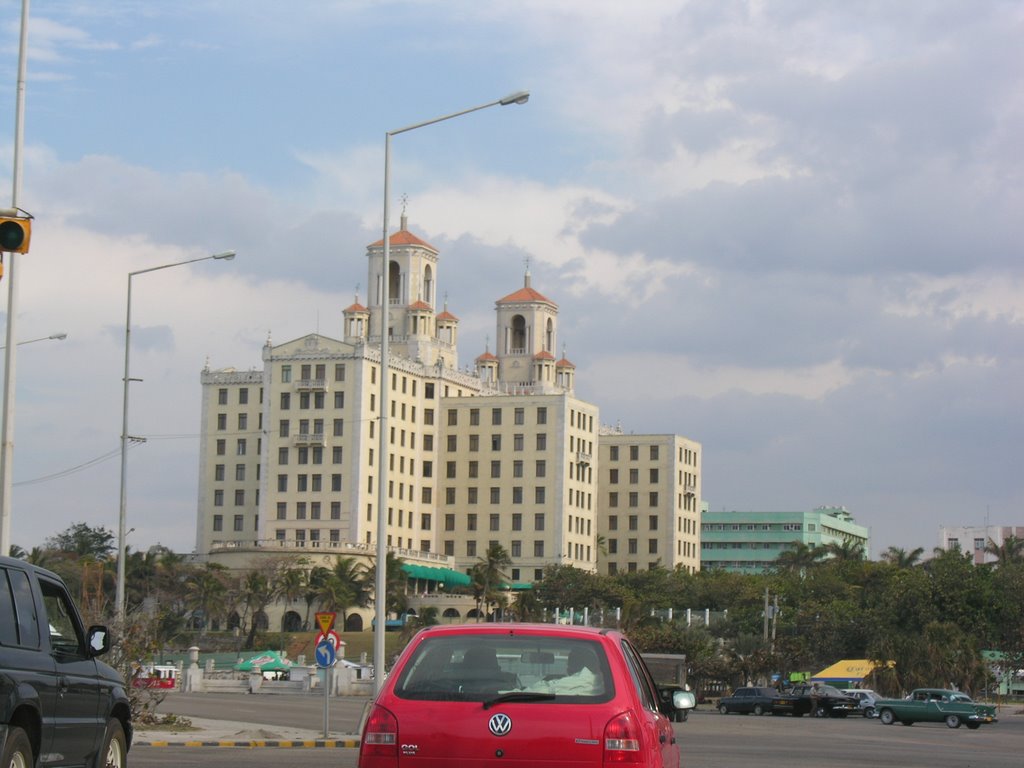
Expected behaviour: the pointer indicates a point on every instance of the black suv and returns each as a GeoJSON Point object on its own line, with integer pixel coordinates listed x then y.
{"type": "Point", "coordinates": [59, 705]}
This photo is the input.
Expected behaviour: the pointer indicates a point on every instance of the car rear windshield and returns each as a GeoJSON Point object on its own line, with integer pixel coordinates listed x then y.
{"type": "Point", "coordinates": [481, 667]}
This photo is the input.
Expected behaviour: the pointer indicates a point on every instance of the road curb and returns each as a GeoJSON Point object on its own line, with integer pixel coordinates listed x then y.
{"type": "Point", "coordinates": [345, 743]}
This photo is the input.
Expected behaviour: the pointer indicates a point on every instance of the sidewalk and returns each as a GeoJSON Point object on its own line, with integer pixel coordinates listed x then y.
{"type": "Point", "coordinates": [230, 733]}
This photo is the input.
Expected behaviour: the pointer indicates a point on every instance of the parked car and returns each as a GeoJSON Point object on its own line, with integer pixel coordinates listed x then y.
{"type": "Point", "coordinates": [543, 695]}
{"type": "Point", "coordinates": [58, 703]}
{"type": "Point", "coordinates": [936, 705]}
{"type": "Point", "coordinates": [816, 699]}
{"type": "Point", "coordinates": [747, 701]}
{"type": "Point", "coordinates": [867, 699]}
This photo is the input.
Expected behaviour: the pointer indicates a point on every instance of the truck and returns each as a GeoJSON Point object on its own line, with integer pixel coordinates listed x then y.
{"type": "Point", "coordinates": [935, 705]}
{"type": "Point", "coordinates": [58, 702]}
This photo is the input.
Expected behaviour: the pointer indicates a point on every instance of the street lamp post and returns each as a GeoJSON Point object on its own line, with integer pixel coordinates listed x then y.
{"type": "Point", "coordinates": [52, 337]}
{"type": "Point", "coordinates": [122, 520]}
{"type": "Point", "coordinates": [380, 598]}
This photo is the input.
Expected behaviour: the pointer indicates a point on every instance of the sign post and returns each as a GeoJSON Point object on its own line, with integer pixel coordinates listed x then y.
{"type": "Point", "coordinates": [326, 655]}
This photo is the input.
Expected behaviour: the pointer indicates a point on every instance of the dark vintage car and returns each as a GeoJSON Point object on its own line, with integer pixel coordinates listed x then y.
{"type": "Point", "coordinates": [817, 700]}
{"type": "Point", "coordinates": [936, 705]}
{"type": "Point", "coordinates": [747, 701]}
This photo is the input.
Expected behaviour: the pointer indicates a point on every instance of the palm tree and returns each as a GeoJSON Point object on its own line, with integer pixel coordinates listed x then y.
{"type": "Point", "coordinates": [845, 551]}
{"type": "Point", "coordinates": [799, 557]}
{"type": "Point", "coordinates": [395, 601]}
{"type": "Point", "coordinates": [487, 574]}
{"type": "Point", "coordinates": [352, 576]}
{"type": "Point", "coordinates": [314, 582]}
{"type": "Point", "coordinates": [206, 588]}
{"type": "Point", "coordinates": [1010, 551]}
{"type": "Point", "coordinates": [257, 590]}
{"type": "Point", "coordinates": [901, 558]}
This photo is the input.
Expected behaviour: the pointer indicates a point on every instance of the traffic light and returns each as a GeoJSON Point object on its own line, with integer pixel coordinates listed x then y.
{"type": "Point", "coordinates": [15, 231]}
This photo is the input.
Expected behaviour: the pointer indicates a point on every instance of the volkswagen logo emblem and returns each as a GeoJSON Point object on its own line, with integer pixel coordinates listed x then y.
{"type": "Point", "coordinates": [500, 724]}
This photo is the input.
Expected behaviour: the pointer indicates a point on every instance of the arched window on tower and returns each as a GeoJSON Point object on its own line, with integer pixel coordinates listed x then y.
{"type": "Point", "coordinates": [428, 285]}
{"type": "Point", "coordinates": [549, 336]}
{"type": "Point", "coordinates": [518, 335]}
{"type": "Point", "coordinates": [394, 283]}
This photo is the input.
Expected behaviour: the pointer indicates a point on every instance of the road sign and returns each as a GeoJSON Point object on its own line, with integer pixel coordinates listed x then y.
{"type": "Point", "coordinates": [326, 620]}
{"type": "Point", "coordinates": [330, 636]}
{"type": "Point", "coordinates": [325, 653]}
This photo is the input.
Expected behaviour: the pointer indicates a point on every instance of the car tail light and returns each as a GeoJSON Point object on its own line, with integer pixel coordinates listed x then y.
{"type": "Point", "coordinates": [622, 739]}
{"type": "Point", "coordinates": [380, 736]}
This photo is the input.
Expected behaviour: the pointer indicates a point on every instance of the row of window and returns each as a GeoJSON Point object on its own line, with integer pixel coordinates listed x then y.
{"type": "Point", "coordinates": [518, 416]}
{"type": "Point", "coordinates": [515, 548]}
{"type": "Point", "coordinates": [633, 499]}
{"type": "Point", "coordinates": [632, 546]}
{"type": "Point", "coordinates": [633, 522]}
{"type": "Point", "coordinates": [752, 527]}
{"type": "Point", "coordinates": [634, 476]}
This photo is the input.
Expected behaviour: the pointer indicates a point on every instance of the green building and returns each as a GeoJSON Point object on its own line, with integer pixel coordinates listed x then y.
{"type": "Point", "coordinates": [749, 542]}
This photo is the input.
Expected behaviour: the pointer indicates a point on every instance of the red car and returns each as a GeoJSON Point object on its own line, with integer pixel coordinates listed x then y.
{"type": "Point", "coordinates": [519, 696]}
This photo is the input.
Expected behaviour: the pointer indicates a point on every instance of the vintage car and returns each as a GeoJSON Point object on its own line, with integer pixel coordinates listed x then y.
{"type": "Point", "coordinates": [816, 700]}
{"type": "Point", "coordinates": [935, 705]}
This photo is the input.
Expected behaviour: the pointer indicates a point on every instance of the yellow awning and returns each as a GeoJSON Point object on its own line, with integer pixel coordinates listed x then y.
{"type": "Point", "coordinates": [847, 669]}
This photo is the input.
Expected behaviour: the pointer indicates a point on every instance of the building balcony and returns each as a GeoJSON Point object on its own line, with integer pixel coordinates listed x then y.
{"type": "Point", "coordinates": [582, 457]}
{"type": "Point", "coordinates": [308, 439]}
{"type": "Point", "coordinates": [318, 385]}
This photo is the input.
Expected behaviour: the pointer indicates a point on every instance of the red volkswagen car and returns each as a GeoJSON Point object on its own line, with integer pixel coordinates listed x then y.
{"type": "Point", "coordinates": [519, 696]}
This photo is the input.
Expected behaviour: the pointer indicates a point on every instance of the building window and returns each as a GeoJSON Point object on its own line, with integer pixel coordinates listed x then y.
{"type": "Point", "coordinates": [239, 498]}
{"type": "Point", "coordinates": [218, 522]}
{"type": "Point", "coordinates": [222, 397]}
{"type": "Point", "coordinates": [471, 521]}
{"type": "Point", "coordinates": [538, 494]}
{"type": "Point", "coordinates": [218, 498]}
{"type": "Point", "coordinates": [542, 441]}
{"type": "Point", "coordinates": [542, 415]}
{"type": "Point", "coordinates": [519, 416]}
{"type": "Point", "coordinates": [495, 442]}
{"type": "Point", "coordinates": [494, 522]}
{"type": "Point", "coordinates": [538, 521]}
{"type": "Point", "coordinates": [474, 417]}
{"type": "Point", "coordinates": [654, 453]}
{"type": "Point", "coordinates": [538, 548]}
{"type": "Point", "coordinates": [237, 522]}
{"type": "Point", "coordinates": [613, 453]}
{"type": "Point", "coordinates": [218, 472]}
{"type": "Point", "coordinates": [495, 495]}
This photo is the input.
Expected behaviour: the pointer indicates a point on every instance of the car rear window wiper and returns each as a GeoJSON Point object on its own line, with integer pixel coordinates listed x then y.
{"type": "Point", "coordinates": [518, 696]}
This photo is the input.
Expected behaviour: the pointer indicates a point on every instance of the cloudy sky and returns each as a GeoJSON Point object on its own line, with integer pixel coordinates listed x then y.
{"type": "Point", "coordinates": [784, 229]}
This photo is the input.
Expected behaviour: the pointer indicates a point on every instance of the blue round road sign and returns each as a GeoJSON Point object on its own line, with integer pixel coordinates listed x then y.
{"type": "Point", "coordinates": [325, 653]}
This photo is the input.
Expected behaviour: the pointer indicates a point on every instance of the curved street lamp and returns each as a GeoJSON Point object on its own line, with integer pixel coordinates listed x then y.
{"type": "Point", "coordinates": [122, 519]}
{"type": "Point", "coordinates": [380, 598]}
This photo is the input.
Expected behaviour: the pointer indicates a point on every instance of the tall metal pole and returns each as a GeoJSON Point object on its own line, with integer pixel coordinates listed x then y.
{"type": "Point", "coordinates": [122, 518]}
{"type": "Point", "coordinates": [10, 355]}
{"type": "Point", "coordinates": [381, 586]}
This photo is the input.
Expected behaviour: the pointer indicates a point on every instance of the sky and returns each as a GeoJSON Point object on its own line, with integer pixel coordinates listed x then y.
{"type": "Point", "coordinates": [784, 229]}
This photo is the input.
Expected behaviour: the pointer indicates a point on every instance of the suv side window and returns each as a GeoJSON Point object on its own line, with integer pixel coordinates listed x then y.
{"type": "Point", "coordinates": [66, 636]}
{"type": "Point", "coordinates": [17, 610]}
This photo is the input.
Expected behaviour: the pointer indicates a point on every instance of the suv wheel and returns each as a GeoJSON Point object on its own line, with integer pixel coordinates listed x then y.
{"type": "Point", "coordinates": [17, 750]}
{"type": "Point", "coordinates": [723, 709]}
{"type": "Point", "coordinates": [115, 750]}
{"type": "Point", "coordinates": [758, 710]}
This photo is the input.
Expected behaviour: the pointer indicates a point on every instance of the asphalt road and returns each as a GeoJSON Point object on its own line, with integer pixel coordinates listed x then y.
{"type": "Point", "coordinates": [708, 739]}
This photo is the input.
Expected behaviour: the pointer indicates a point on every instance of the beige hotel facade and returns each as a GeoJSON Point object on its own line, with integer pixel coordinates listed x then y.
{"type": "Point", "coordinates": [501, 453]}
